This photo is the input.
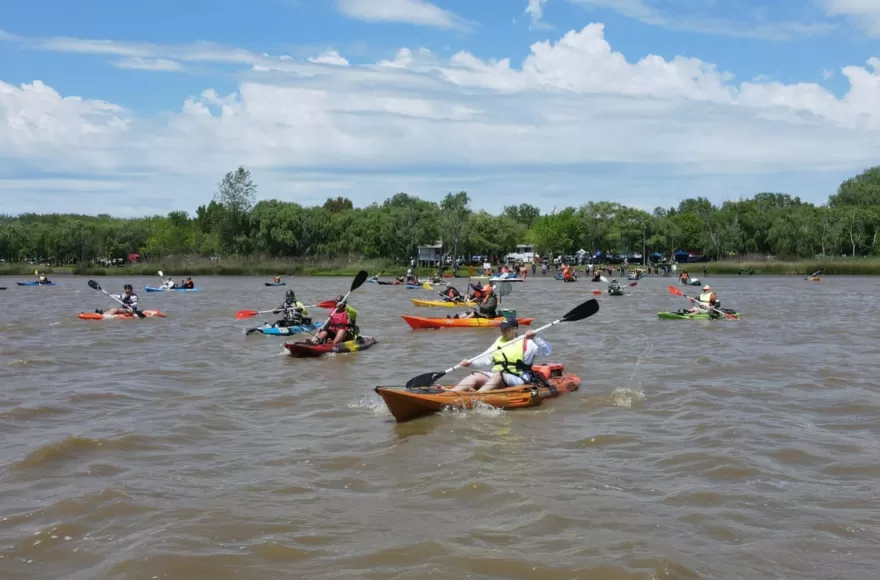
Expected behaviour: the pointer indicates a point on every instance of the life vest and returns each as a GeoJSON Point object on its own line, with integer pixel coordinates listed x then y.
{"type": "Point", "coordinates": [340, 320]}
{"type": "Point", "coordinates": [131, 298]}
{"type": "Point", "coordinates": [507, 357]}
{"type": "Point", "coordinates": [708, 298]}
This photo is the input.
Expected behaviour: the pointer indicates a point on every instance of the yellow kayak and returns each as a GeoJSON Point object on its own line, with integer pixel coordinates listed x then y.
{"type": "Point", "coordinates": [443, 303]}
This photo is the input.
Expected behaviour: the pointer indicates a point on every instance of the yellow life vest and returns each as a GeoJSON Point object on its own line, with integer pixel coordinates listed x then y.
{"type": "Point", "coordinates": [706, 297]}
{"type": "Point", "coordinates": [506, 357]}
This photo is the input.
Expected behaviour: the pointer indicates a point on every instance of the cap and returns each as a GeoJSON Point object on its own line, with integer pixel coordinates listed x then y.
{"type": "Point", "coordinates": [707, 287]}
{"type": "Point", "coordinates": [509, 323]}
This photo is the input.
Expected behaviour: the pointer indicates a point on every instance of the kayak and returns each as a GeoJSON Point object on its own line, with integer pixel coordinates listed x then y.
{"type": "Point", "coordinates": [700, 316]}
{"type": "Point", "coordinates": [306, 349]}
{"type": "Point", "coordinates": [633, 277]}
{"type": "Point", "coordinates": [412, 287]}
{"type": "Point", "coordinates": [160, 289]}
{"type": "Point", "coordinates": [385, 283]}
{"type": "Point", "coordinates": [419, 322]}
{"type": "Point", "coordinates": [96, 316]}
{"type": "Point", "coordinates": [406, 405]}
{"type": "Point", "coordinates": [443, 303]}
{"type": "Point", "coordinates": [288, 330]}
{"type": "Point", "coordinates": [275, 283]}
{"type": "Point", "coordinates": [813, 279]}
{"type": "Point", "coordinates": [503, 279]}
{"type": "Point", "coordinates": [693, 282]}
{"type": "Point", "coordinates": [615, 293]}
{"type": "Point", "coordinates": [36, 284]}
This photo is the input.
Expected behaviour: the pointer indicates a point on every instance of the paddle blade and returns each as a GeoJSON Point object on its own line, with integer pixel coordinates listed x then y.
{"type": "Point", "coordinates": [596, 292]}
{"type": "Point", "coordinates": [242, 314]}
{"type": "Point", "coordinates": [674, 290]}
{"type": "Point", "coordinates": [359, 280]}
{"type": "Point", "coordinates": [603, 279]}
{"type": "Point", "coordinates": [632, 284]}
{"type": "Point", "coordinates": [140, 314]}
{"type": "Point", "coordinates": [425, 380]}
{"type": "Point", "coordinates": [161, 274]}
{"type": "Point", "coordinates": [585, 310]}
{"type": "Point", "coordinates": [94, 285]}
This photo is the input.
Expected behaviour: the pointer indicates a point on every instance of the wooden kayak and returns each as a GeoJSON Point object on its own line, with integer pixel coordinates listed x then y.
{"type": "Point", "coordinates": [443, 303]}
{"type": "Point", "coordinates": [307, 349]}
{"type": "Point", "coordinates": [420, 322]}
{"type": "Point", "coordinates": [406, 405]}
{"type": "Point", "coordinates": [96, 316]}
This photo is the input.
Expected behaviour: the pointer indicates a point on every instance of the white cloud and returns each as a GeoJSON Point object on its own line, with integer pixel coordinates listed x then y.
{"type": "Point", "coordinates": [420, 12]}
{"type": "Point", "coordinates": [327, 57]}
{"type": "Point", "coordinates": [156, 64]}
{"type": "Point", "coordinates": [688, 20]}
{"type": "Point", "coordinates": [418, 122]}
{"type": "Point", "coordinates": [535, 10]}
{"type": "Point", "coordinates": [863, 13]}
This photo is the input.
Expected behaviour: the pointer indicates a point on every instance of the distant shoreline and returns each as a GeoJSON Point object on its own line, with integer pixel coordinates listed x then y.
{"type": "Point", "coordinates": [836, 267]}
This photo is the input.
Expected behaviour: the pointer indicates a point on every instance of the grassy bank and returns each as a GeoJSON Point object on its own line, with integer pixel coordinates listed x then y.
{"type": "Point", "coordinates": [245, 267]}
{"type": "Point", "coordinates": [836, 267]}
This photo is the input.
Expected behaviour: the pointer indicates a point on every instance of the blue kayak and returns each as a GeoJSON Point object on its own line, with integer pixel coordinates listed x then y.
{"type": "Point", "coordinates": [35, 283]}
{"type": "Point", "coordinates": [411, 287]}
{"type": "Point", "coordinates": [276, 283]}
{"type": "Point", "coordinates": [289, 330]}
{"type": "Point", "coordinates": [154, 289]}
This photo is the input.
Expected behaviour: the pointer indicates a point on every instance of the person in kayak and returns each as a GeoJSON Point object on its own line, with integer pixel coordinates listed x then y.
{"type": "Point", "coordinates": [488, 307]}
{"type": "Point", "coordinates": [451, 294]}
{"type": "Point", "coordinates": [567, 274]}
{"type": "Point", "coordinates": [614, 288]}
{"type": "Point", "coordinates": [509, 365]}
{"type": "Point", "coordinates": [169, 283]}
{"type": "Point", "coordinates": [293, 312]}
{"type": "Point", "coordinates": [341, 326]}
{"type": "Point", "coordinates": [276, 279]}
{"type": "Point", "coordinates": [42, 278]}
{"type": "Point", "coordinates": [477, 292]}
{"type": "Point", "coordinates": [129, 300]}
{"type": "Point", "coordinates": [707, 298]}
{"type": "Point", "coordinates": [189, 284]}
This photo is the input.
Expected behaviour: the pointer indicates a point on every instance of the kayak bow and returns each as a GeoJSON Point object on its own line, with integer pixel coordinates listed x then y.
{"type": "Point", "coordinates": [96, 316]}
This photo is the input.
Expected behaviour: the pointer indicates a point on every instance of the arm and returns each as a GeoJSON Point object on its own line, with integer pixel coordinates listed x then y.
{"type": "Point", "coordinates": [536, 347]}
{"type": "Point", "coordinates": [302, 308]}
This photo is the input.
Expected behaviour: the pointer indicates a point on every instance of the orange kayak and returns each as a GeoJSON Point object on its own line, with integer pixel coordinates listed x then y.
{"type": "Point", "coordinates": [420, 322]}
{"type": "Point", "coordinates": [406, 405]}
{"type": "Point", "coordinates": [96, 316]}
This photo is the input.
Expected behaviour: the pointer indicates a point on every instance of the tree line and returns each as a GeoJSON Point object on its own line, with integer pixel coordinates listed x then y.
{"type": "Point", "coordinates": [234, 224]}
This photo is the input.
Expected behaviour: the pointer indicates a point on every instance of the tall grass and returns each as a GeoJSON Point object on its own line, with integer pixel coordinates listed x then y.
{"type": "Point", "coordinates": [245, 267]}
{"type": "Point", "coordinates": [829, 267]}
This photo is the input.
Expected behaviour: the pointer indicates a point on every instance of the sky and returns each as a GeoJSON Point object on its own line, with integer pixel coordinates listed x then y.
{"type": "Point", "coordinates": [138, 109]}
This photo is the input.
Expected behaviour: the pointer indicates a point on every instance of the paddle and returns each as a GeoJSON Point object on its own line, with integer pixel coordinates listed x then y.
{"type": "Point", "coordinates": [597, 292]}
{"type": "Point", "coordinates": [243, 314]}
{"type": "Point", "coordinates": [678, 292]}
{"type": "Point", "coordinates": [584, 310]}
{"type": "Point", "coordinates": [97, 286]}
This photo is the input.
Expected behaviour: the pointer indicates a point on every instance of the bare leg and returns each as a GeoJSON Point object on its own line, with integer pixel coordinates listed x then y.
{"type": "Point", "coordinates": [471, 382]}
{"type": "Point", "coordinates": [494, 382]}
{"type": "Point", "coordinates": [340, 336]}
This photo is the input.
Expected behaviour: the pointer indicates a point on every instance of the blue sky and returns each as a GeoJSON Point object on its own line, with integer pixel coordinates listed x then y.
{"type": "Point", "coordinates": [107, 107]}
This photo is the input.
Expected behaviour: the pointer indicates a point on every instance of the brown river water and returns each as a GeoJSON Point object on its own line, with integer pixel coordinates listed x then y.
{"type": "Point", "coordinates": [181, 448]}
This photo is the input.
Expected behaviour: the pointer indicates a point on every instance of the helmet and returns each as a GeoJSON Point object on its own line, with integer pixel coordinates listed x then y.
{"type": "Point", "coordinates": [291, 295]}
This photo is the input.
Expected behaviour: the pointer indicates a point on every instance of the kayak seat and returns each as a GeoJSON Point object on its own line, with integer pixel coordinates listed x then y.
{"type": "Point", "coordinates": [548, 371]}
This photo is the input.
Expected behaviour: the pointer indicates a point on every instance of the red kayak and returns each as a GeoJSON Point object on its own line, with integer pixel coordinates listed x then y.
{"type": "Point", "coordinates": [307, 349]}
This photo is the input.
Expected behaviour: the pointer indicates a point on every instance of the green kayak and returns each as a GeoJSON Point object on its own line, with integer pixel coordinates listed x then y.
{"type": "Point", "coordinates": [701, 316]}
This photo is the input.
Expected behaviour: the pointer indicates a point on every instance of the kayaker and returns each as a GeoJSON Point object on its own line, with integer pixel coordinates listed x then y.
{"type": "Point", "coordinates": [567, 274]}
{"type": "Point", "coordinates": [451, 294]}
{"type": "Point", "coordinates": [43, 278]}
{"type": "Point", "coordinates": [488, 307]}
{"type": "Point", "coordinates": [509, 365]}
{"type": "Point", "coordinates": [477, 291]}
{"type": "Point", "coordinates": [341, 326]}
{"type": "Point", "coordinates": [169, 284]}
{"type": "Point", "coordinates": [614, 288]}
{"type": "Point", "coordinates": [129, 300]}
{"type": "Point", "coordinates": [276, 279]}
{"type": "Point", "coordinates": [189, 284]}
{"type": "Point", "coordinates": [293, 312]}
{"type": "Point", "coordinates": [707, 298]}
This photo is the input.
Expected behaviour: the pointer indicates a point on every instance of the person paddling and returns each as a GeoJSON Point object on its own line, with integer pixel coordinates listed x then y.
{"type": "Point", "coordinates": [614, 288]}
{"type": "Point", "coordinates": [451, 294]}
{"type": "Point", "coordinates": [509, 365]}
{"type": "Point", "coordinates": [340, 327]}
{"type": "Point", "coordinates": [42, 278]}
{"type": "Point", "coordinates": [292, 311]}
{"type": "Point", "coordinates": [708, 298]}
{"type": "Point", "coordinates": [189, 284]}
{"type": "Point", "coordinates": [488, 307]}
{"type": "Point", "coordinates": [129, 300]}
